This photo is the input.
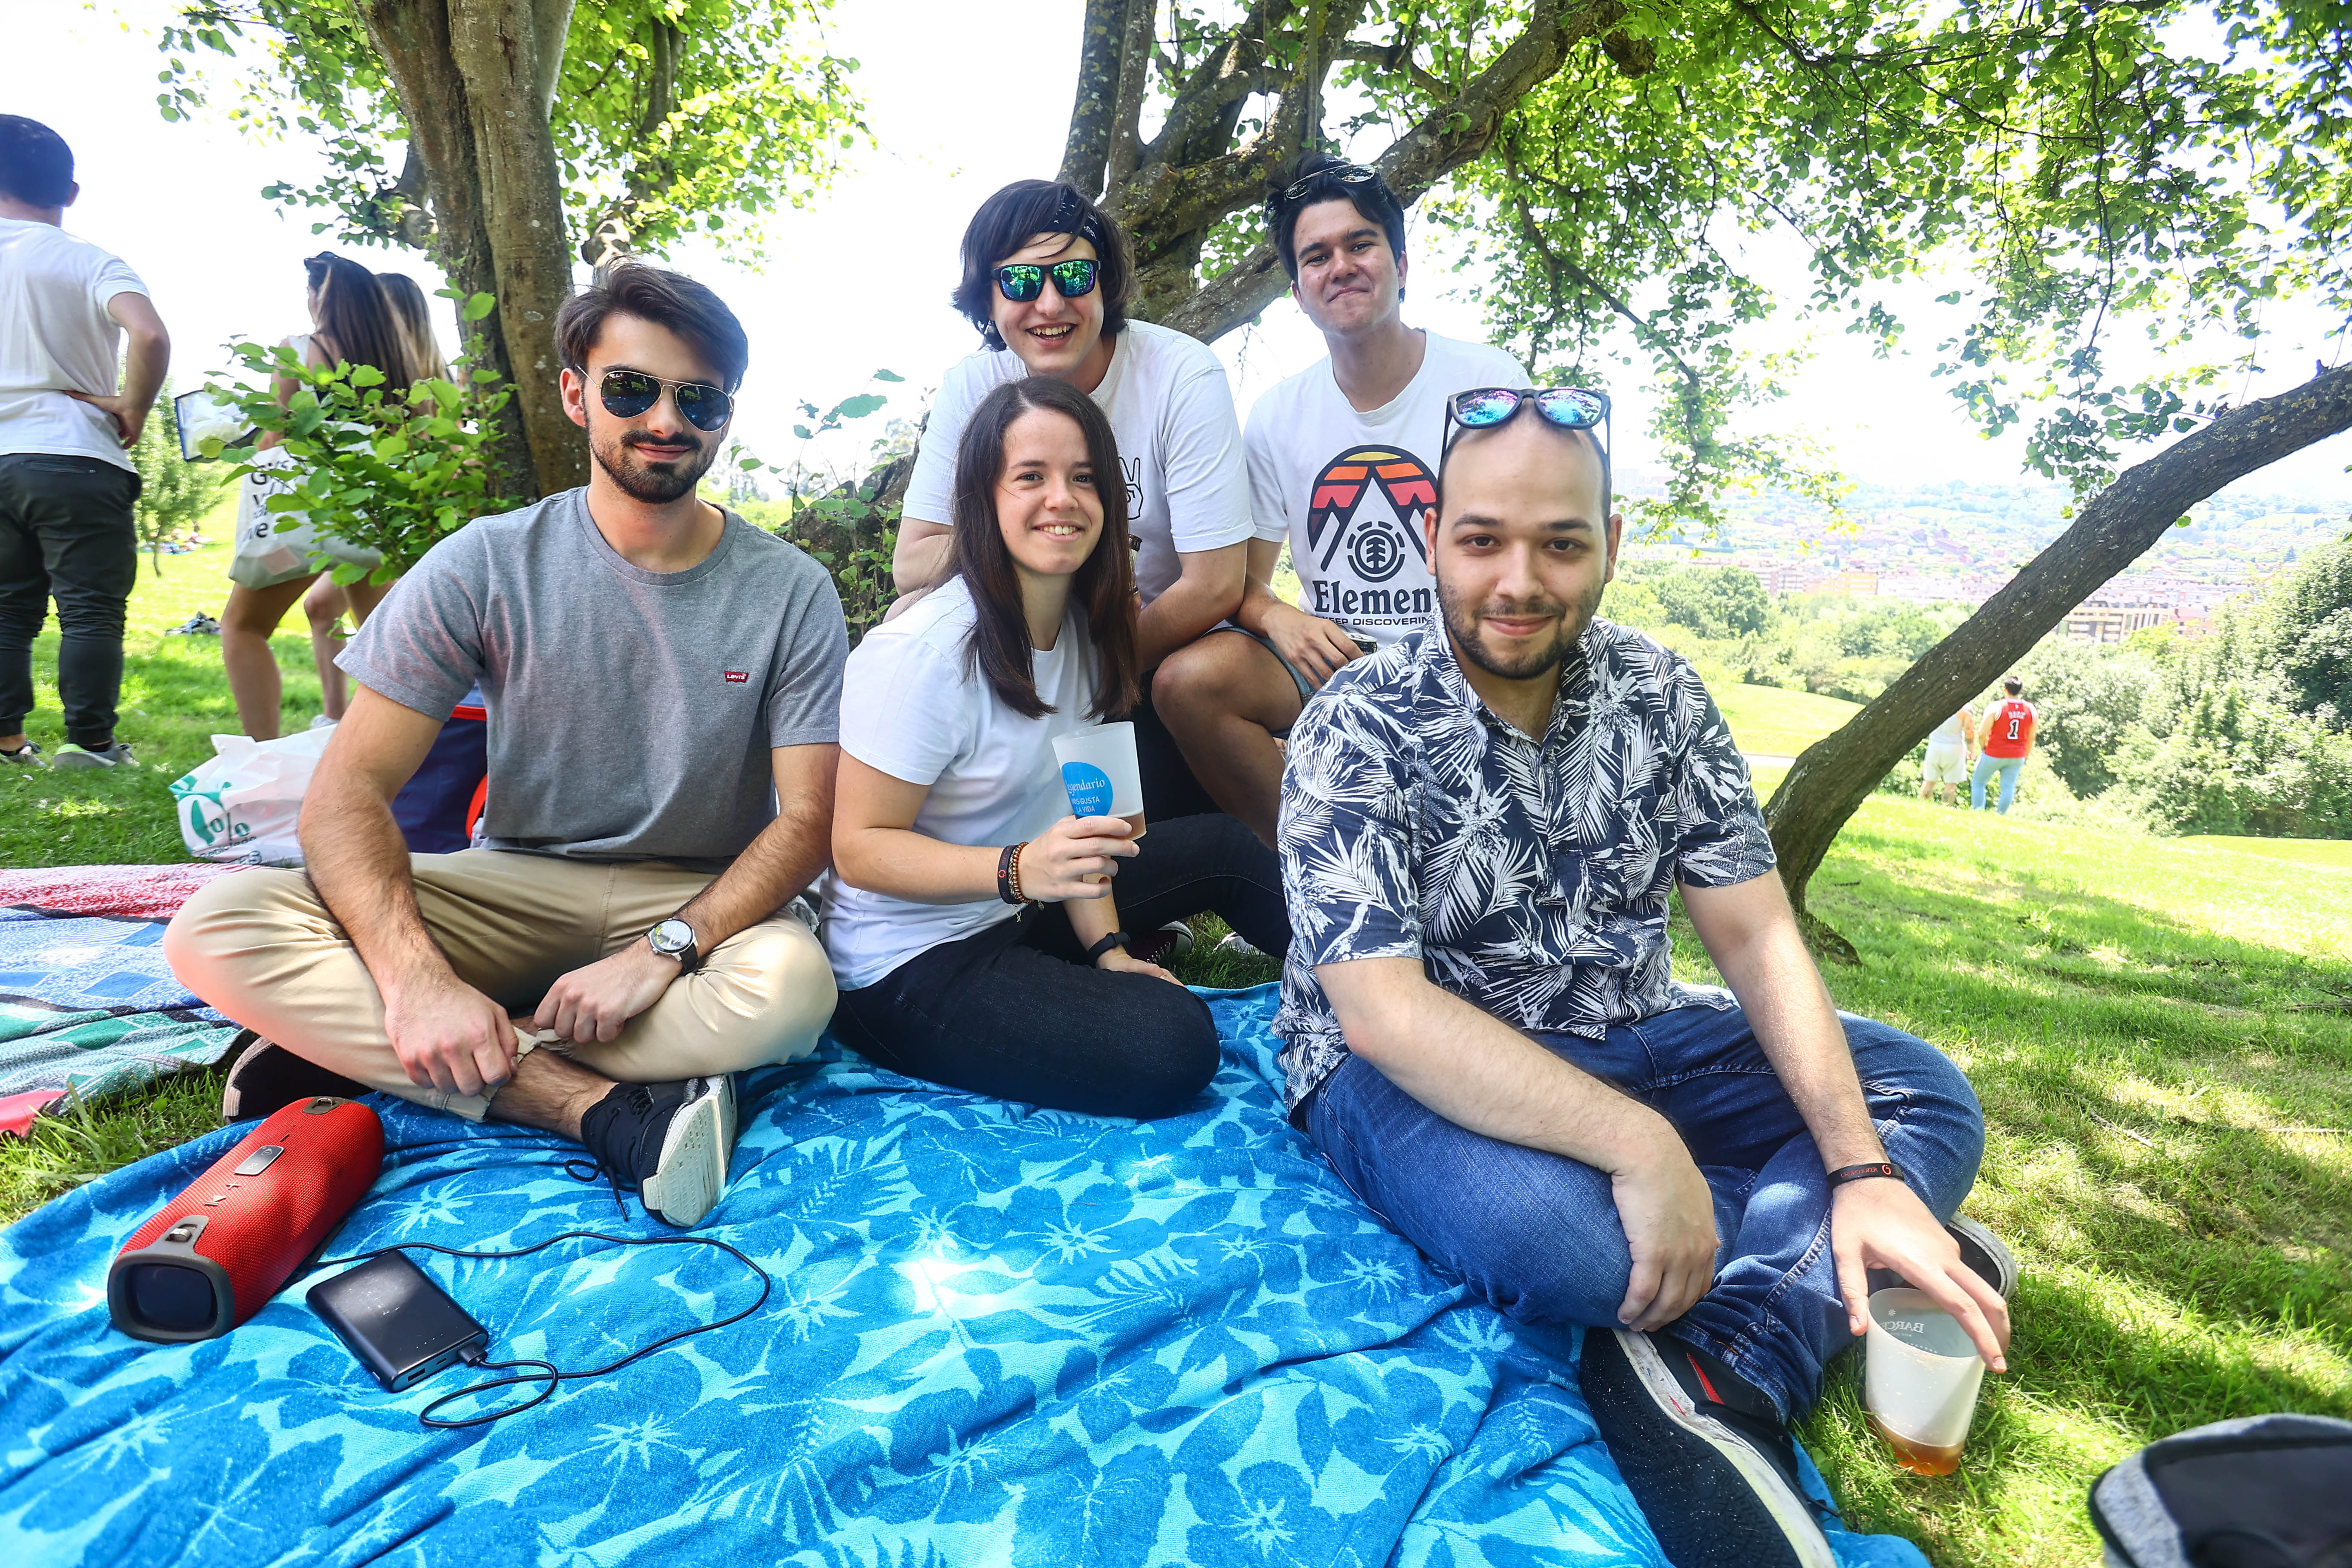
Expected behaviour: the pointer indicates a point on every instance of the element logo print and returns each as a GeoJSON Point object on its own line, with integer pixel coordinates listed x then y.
{"type": "Point", "coordinates": [1364, 518]}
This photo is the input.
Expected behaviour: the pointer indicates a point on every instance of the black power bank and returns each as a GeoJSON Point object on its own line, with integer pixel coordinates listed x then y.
{"type": "Point", "coordinates": [403, 1327]}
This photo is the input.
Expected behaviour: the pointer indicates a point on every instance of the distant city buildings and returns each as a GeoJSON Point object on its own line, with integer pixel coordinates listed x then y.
{"type": "Point", "coordinates": [1956, 543]}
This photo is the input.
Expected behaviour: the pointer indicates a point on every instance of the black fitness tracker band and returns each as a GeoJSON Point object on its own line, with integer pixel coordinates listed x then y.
{"type": "Point", "coordinates": [1839, 1178]}
{"type": "Point", "coordinates": [1115, 939]}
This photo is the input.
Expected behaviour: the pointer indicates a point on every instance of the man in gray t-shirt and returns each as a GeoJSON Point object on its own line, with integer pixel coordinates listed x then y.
{"type": "Point", "coordinates": [664, 684]}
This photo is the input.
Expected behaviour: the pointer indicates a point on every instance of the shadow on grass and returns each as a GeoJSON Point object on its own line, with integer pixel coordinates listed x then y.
{"type": "Point", "coordinates": [2184, 1260]}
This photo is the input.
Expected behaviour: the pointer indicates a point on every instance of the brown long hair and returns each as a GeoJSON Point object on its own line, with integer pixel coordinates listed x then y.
{"type": "Point", "coordinates": [357, 320]}
{"type": "Point", "coordinates": [406, 298]}
{"type": "Point", "coordinates": [1104, 586]}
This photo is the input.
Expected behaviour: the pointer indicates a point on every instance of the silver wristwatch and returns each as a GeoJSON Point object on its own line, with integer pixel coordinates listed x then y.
{"type": "Point", "coordinates": [673, 938]}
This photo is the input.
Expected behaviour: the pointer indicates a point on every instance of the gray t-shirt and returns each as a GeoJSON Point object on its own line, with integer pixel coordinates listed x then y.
{"type": "Point", "coordinates": [631, 711]}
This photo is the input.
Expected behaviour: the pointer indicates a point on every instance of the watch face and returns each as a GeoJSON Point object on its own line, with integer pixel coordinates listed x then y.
{"type": "Point", "coordinates": [671, 937]}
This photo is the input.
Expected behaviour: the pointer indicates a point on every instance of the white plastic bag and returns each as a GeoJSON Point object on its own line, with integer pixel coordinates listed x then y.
{"type": "Point", "coordinates": [241, 808]}
{"type": "Point", "coordinates": [266, 554]}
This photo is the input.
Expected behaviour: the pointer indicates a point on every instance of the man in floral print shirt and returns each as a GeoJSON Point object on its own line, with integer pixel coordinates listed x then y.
{"type": "Point", "coordinates": [1482, 826]}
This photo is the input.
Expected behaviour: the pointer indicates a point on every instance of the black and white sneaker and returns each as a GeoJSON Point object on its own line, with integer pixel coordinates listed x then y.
{"type": "Point", "coordinates": [1703, 1452]}
{"type": "Point", "coordinates": [27, 755]}
{"type": "Point", "coordinates": [673, 1140]}
{"type": "Point", "coordinates": [1165, 945]}
{"type": "Point", "coordinates": [265, 1076]}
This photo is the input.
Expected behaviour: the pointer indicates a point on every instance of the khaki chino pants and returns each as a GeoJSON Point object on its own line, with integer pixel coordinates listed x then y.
{"type": "Point", "coordinates": [263, 947]}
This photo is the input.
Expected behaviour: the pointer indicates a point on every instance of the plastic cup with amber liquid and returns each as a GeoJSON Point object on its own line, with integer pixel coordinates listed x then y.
{"type": "Point", "coordinates": [1919, 1380]}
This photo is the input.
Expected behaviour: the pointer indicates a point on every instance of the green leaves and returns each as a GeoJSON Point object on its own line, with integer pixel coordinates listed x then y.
{"type": "Point", "coordinates": [479, 306]}
{"type": "Point", "coordinates": [667, 112]}
{"type": "Point", "coordinates": [388, 468]}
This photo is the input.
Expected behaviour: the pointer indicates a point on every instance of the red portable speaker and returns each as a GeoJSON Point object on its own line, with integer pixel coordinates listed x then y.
{"type": "Point", "coordinates": [215, 1253]}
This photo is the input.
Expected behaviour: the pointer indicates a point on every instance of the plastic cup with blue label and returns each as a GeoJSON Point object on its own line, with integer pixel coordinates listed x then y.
{"type": "Point", "coordinates": [1100, 773]}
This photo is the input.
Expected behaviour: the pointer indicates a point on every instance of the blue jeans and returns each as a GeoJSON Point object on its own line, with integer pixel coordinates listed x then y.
{"type": "Point", "coordinates": [1537, 1234]}
{"type": "Point", "coordinates": [1985, 767]}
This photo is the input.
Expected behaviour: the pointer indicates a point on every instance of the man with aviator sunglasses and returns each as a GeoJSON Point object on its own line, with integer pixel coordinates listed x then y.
{"type": "Point", "coordinates": [663, 683]}
{"type": "Point", "coordinates": [1342, 463]}
{"type": "Point", "coordinates": [1484, 827]}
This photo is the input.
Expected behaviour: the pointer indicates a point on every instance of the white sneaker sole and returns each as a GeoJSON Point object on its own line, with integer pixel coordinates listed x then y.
{"type": "Point", "coordinates": [691, 1175]}
{"type": "Point", "coordinates": [1790, 1509]}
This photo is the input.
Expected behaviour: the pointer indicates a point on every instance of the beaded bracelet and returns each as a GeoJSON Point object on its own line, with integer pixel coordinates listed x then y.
{"type": "Point", "coordinates": [1006, 887]}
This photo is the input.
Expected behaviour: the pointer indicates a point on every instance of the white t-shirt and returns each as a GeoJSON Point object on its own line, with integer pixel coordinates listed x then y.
{"type": "Point", "coordinates": [54, 335]}
{"type": "Point", "coordinates": [1950, 733]}
{"type": "Point", "coordinates": [1348, 489]}
{"type": "Point", "coordinates": [914, 707]}
{"type": "Point", "coordinates": [1178, 440]}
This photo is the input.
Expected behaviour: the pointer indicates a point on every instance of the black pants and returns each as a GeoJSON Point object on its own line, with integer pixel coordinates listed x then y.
{"type": "Point", "coordinates": [1016, 1011]}
{"type": "Point", "coordinates": [66, 531]}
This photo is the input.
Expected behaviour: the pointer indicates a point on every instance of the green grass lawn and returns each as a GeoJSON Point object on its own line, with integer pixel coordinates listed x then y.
{"type": "Point", "coordinates": [2332, 854]}
{"type": "Point", "coordinates": [1773, 722]}
{"type": "Point", "coordinates": [2156, 1027]}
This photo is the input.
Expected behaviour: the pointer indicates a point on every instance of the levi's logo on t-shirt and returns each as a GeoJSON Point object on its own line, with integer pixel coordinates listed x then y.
{"type": "Point", "coordinates": [737, 677]}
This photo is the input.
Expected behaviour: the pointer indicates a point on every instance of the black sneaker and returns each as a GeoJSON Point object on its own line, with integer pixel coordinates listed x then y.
{"type": "Point", "coordinates": [1703, 1452]}
{"type": "Point", "coordinates": [672, 1140]}
{"type": "Point", "coordinates": [27, 755]}
{"type": "Point", "coordinates": [266, 1077]}
{"type": "Point", "coordinates": [1980, 1250]}
{"type": "Point", "coordinates": [1165, 945]}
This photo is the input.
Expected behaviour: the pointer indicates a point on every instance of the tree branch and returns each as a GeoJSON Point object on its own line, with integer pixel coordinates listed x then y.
{"type": "Point", "coordinates": [1134, 76]}
{"type": "Point", "coordinates": [1397, 60]}
{"type": "Point", "coordinates": [1087, 146]}
{"type": "Point", "coordinates": [1834, 775]}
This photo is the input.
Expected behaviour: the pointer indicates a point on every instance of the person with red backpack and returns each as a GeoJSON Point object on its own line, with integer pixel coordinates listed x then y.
{"type": "Point", "coordinates": [2006, 741]}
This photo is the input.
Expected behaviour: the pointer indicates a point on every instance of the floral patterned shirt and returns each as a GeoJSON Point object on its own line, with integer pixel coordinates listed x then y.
{"type": "Point", "coordinates": [1530, 878]}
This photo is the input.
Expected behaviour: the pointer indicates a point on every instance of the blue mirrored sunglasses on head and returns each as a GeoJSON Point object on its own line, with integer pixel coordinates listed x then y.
{"type": "Point", "coordinates": [1570, 407]}
{"type": "Point", "coordinates": [1021, 281]}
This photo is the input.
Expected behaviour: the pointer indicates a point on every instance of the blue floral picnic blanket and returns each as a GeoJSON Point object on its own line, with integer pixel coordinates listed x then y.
{"type": "Point", "coordinates": [998, 1336]}
{"type": "Point", "coordinates": [87, 1004]}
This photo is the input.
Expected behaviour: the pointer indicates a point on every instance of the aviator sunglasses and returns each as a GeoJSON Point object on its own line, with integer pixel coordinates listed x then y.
{"type": "Point", "coordinates": [1346, 174]}
{"type": "Point", "coordinates": [1021, 281]}
{"type": "Point", "coordinates": [626, 393]}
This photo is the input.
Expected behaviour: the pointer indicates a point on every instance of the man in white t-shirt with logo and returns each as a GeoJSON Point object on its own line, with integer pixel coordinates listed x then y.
{"type": "Point", "coordinates": [67, 483]}
{"type": "Point", "coordinates": [1342, 464]}
{"type": "Point", "coordinates": [1045, 279]}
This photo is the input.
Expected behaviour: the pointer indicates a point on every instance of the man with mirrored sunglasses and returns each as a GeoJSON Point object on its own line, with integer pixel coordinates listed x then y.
{"type": "Point", "coordinates": [1045, 280]}
{"type": "Point", "coordinates": [1484, 827]}
{"type": "Point", "coordinates": [664, 685]}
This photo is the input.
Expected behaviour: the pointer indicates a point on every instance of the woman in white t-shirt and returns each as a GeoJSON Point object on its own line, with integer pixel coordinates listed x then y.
{"type": "Point", "coordinates": [1045, 280]}
{"type": "Point", "coordinates": [354, 323]}
{"type": "Point", "coordinates": [971, 920]}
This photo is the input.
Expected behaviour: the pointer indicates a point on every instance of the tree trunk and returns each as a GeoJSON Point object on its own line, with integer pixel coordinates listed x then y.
{"type": "Point", "coordinates": [1835, 774]}
{"type": "Point", "coordinates": [476, 79]}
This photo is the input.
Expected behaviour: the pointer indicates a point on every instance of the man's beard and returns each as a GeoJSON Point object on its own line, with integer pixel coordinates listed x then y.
{"type": "Point", "coordinates": [656, 484]}
{"type": "Point", "coordinates": [1461, 622]}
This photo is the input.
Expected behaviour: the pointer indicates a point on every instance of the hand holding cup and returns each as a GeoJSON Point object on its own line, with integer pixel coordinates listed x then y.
{"type": "Point", "coordinates": [1076, 859]}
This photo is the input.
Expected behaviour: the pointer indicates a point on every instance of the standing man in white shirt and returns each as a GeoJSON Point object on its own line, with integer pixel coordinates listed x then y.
{"type": "Point", "coordinates": [1045, 280]}
{"type": "Point", "coordinates": [1342, 464]}
{"type": "Point", "coordinates": [67, 483]}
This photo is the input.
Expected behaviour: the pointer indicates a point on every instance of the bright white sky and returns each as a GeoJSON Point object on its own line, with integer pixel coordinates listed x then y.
{"type": "Point", "coordinates": [860, 280]}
